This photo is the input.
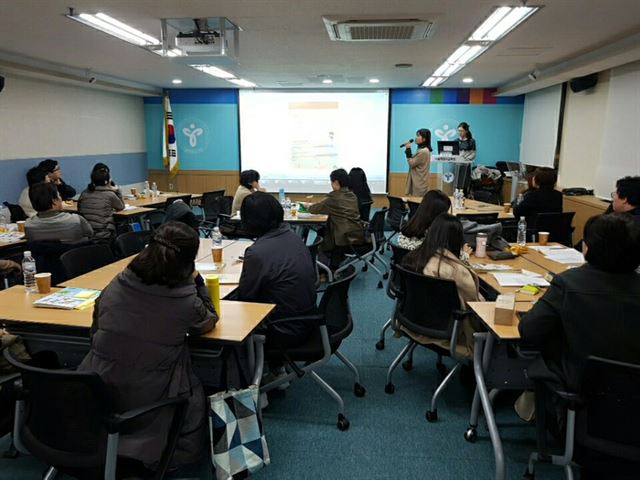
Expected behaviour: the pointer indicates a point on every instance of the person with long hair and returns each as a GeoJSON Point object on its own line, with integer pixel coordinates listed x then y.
{"type": "Point", "coordinates": [358, 185]}
{"type": "Point", "coordinates": [413, 232]}
{"type": "Point", "coordinates": [98, 202]}
{"type": "Point", "coordinates": [439, 257]}
{"type": "Point", "coordinates": [141, 323]}
{"type": "Point", "coordinates": [467, 142]}
{"type": "Point", "coordinates": [419, 164]}
{"type": "Point", "coordinates": [249, 183]}
{"type": "Point", "coordinates": [543, 198]}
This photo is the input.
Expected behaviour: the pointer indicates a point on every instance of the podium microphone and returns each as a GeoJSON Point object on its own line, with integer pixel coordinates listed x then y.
{"type": "Point", "coordinates": [410, 141]}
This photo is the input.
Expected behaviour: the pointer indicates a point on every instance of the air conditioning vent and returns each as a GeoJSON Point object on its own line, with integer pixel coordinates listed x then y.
{"type": "Point", "coordinates": [378, 30]}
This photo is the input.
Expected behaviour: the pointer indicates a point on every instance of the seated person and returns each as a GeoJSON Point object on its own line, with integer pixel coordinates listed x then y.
{"type": "Point", "coordinates": [9, 266]}
{"type": "Point", "coordinates": [439, 256]}
{"type": "Point", "coordinates": [344, 227]}
{"type": "Point", "coordinates": [433, 204]}
{"type": "Point", "coordinates": [277, 268]}
{"type": "Point", "coordinates": [51, 223]}
{"type": "Point", "coordinates": [98, 202]}
{"type": "Point", "coordinates": [179, 211]}
{"type": "Point", "coordinates": [34, 175]}
{"type": "Point", "coordinates": [358, 185]}
{"type": "Point", "coordinates": [543, 198]}
{"type": "Point", "coordinates": [54, 173]}
{"type": "Point", "coordinates": [626, 198]}
{"type": "Point", "coordinates": [139, 347]}
{"type": "Point", "coordinates": [592, 309]}
{"type": "Point", "coordinates": [249, 183]}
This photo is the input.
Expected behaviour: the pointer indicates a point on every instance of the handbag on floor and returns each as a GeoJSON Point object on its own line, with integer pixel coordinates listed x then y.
{"type": "Point", "coordinates": [238, 444]}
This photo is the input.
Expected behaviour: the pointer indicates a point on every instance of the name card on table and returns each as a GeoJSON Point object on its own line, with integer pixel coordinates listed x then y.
{"type": "Point", "coordinates": [505, 306]}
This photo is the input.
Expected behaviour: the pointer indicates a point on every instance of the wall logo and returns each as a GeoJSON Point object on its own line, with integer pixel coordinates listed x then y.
{"type": "Point", "coordinates": [195, 136]}
{"type": "Point", "coordinates": [445, 130]}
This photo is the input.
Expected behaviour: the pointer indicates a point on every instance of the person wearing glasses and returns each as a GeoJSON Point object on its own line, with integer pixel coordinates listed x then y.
{"type": "Point", "coordinates": [54, 173]}
{"type": "Point", "coordinates": [626, 197]}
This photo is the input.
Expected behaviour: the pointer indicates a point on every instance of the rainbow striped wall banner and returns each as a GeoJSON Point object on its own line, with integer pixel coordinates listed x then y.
{"type": "Point", "coordinates": [452, 96]}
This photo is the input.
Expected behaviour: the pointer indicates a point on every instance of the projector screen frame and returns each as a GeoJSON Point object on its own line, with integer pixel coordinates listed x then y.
{"type": "Point", "coordinates": [323, 90]}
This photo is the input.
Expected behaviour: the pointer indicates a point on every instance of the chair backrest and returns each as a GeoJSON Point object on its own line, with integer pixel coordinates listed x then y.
{"type": "Point", "coordinates": [398, 253]}
{"type": "Point", "coordinates": [557, 224]}
{"type": "Point", "coordinates": [82, 260]}
{"type": "Point", "coordinates": [427, 303]}
{"type": "Point", "coordinates": [365, 210]}
{"type": "Point", "coordinates": [396, 212]}
{"type": "Point", "coordinates": [47, 254]}
{"type": "Point", "coordinates": [610, 421]}
{"type": "Point", "coordinates": [485, 196]}
{"type": "Point", "coordinates": [155, 218]}
{"type": "Point", "coordinates": [334, 305]}
{"type": "Point", "coordinates": [376, 226]}
{"type": "Point", "coordinates": [413, 208]}
{"type": "Point", "coordinates": [313, 251]}
{"type": "Point", "coordinates": [130, 243]}
{"type": "Point", "coordinates": [65, 415]}
{"type": "Point", "coordinates": [185, 198]}
{"type": "Point", "coordinates": [211, 205]}
{"type": "Point", "coordinates": [16, 211]}
{"type": "Point", "coordinates": [482, 218]}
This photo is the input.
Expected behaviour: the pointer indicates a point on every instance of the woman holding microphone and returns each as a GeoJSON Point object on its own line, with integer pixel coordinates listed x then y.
{"type": "Point", "coordinates": [419, 164]}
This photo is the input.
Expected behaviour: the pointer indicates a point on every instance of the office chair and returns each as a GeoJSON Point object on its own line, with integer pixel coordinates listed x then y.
{"type": "Point", "coordinates": [481, 218]}
{"type": "Point", "coordinates": [428, 306]}
{"type": "Point", "coordinates": [48, 257]}
{"type": "Point", "coordinates": [413, 208]}
{"type": "Point", "coordinates": [82, 260]}
{"type": "Point", "coordinates": [392, 290]}
{"type": "Point", "coordinates": [557, 224]}
{"type": "Point", "coordinates": [155, 219]}
{"type": "Point", "coordinates": [67, 420]}
{"type": "Point", "coordinates": [365, 210]}
{"type": "Point", "coordinates": [603, 417]}
{"type": "Point", "coordinates": [334, 323]}
{"type": "Point", "coordinates": [317, 264]}
{"type": "Point", "coordinates": [184, 198]}
{"type": "Point", "coordinates": [130, 243]}
{"type": "Point", "coordinates": [396, 215]}
{"type": "Point", "coordinates": [210, 205]}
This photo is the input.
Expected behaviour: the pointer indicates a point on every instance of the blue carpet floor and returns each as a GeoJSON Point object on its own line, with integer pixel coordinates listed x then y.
{"type": "Point", "coordinates": [389, 437]}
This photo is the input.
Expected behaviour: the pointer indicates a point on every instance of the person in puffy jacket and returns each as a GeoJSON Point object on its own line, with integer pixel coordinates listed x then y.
{"type": "Point", "coordinates": [98, 202]}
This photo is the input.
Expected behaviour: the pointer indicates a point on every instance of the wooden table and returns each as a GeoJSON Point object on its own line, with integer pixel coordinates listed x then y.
{"type": "Point", "coordinates": [472, 207]}
{"type": "Point", "coordinates": [231, 251]}
{"type": "Point", "coordinates": [539, 259]}
{"type": "Point", "coordinates": [160, 200]}
{"type": "Point", "coordinates": [300, 219]}
{"type": "Point", "coordinates": [72, 207]}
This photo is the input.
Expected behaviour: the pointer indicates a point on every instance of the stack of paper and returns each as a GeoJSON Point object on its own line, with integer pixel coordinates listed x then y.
{"type": "Point", "coordinates": [560, 254]}
{"type": "Point", "coordinates": [10, 237]}
{"type": "Point", "coordinates": [69, 299]}
{"type": "Point", "coordinates": [488, 267]}
{"type": "Point", "coordinates": [520, 279]}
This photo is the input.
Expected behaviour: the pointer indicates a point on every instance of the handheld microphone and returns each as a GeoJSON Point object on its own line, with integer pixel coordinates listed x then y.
{"type": "Point", "coordinates": [410, 141]}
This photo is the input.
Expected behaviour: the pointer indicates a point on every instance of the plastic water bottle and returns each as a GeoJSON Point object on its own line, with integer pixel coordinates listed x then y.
{"type": "Point", "coordinates": [462, 199]}
{"type": "Point", "coordinates": [287, 207]}
{"type": "Point", "coordinates": [216, 238]}
{"type": "Point", "coordinates": [520, 199]}
{"type": "Point", "coordinates": [5, 217]}
{"type": "Point", "coordinates": [29, 272]}
{"type": "Point", "coordinates": [522, 232]}
{"type": "Point", "coordinates": [154, 189]}
{"type": "Point", "coordinates": [146, 187]}
{"type": "Point", "coordinates": [281, 197]}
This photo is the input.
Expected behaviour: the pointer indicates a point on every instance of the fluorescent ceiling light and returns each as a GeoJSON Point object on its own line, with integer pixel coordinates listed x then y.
{"type": "Point", "coordinates": [172, 52]}
{"type": "Point", "coordinates": [438, 81]}
{"type": "Point", "coordinates": [501, 22]}
{"type": "Point", "coordinates": [441, 69]}
{"type": "Point", "coordinates": [241, 82]}
{"type": "Point", "coordinates": [327, 81]}
{"type": "Point", "coordinates": [455, 56]}
{"type": "Point", "coordinates": [374, 80]}
{"type": "Point", "coordinates": [467, 80]}
{"type": "Point", "coordinates": [115, 28]}
{"type": "Point", "coordinates": [214, 71]}
{"type": "Point", "coordinates": [452, 69]}
{"type": "Point", "coordinates": [428, 82]}
{"type": "Point", "coordinates": [471, 54]}
{"type": "Point", "coordinates": [176, 81]}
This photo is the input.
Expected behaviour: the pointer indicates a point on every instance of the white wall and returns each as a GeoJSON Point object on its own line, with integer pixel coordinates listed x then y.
{"type": "Point", "coordinates": [41, 119]}
{"type": "Point", "coordinates": [584, 117]}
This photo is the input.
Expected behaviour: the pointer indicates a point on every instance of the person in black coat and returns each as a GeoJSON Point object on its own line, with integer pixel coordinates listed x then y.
{"type": "Point", "coordinates": [543, 198]}
{"type": "Point", "coordinates": [277, 269]}
{"type": "Point", "coordinates": [626, 197]}
{"type": "Point", "coordinates": [55, 176]}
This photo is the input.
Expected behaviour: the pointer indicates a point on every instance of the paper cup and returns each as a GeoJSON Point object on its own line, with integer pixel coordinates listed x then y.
{"type": "Point", "coordinates": [43, 281]}
{"type": "Point", "coordinates": [216, 253]}
{"type": "Point", "coordinates": [543, 238]}
{"type": "Point", "coordinates": [21, 224]}
{"type": "Point", "coordinates": [506, 207]}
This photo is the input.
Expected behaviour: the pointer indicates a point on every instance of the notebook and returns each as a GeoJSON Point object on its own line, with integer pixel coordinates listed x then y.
{"type": "Point", "coordinates": [69, 299]}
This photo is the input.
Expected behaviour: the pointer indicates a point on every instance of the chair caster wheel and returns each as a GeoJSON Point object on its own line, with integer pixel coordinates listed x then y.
{"type": "Point", "coordinates": [432, 415]}
{"type": "Point", "coordinates": [359, 390]}
{"type": "Point", "coordinates": [528, 475]}
{"type": "Point", "coordinates": [442, 368]}
{"type": "Point", "coordinates": [380, 284]}
{"type": "Point", "coordinates": [386, 275]}
{"type": "Point", "coordinates": [380, 345]}
{"type": "Point", "coordinates": [365, 268]}
{"type": "Point", "coordinates": [471, 434]}
{"type": "Point", "coordinates": [408, 365]}
{"type": "Point", "coordinates": [389, 388]}
{"type": "Point", "coordinates": [343, 423]}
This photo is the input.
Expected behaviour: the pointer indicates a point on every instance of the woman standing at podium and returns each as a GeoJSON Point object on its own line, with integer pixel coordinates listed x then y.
{"type": "Point", "coordinates": [467, 142]}
{"type": "Point", "coordinates": [419, 164]}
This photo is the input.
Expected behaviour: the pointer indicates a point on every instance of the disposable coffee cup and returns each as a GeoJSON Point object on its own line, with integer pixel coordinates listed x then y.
{"type": "Point", "coordinates": [216, 253]}
{"type": "Point", "coordinates": [507, 207]}
{"type": "Point", "coordinates": [43, 282]}
{"type": "Point", "coordinates": [21, 224]}
{"type": "Point", "coordinates": [134, 192]}
{"type": "Point", "coordinates": [543, 238]}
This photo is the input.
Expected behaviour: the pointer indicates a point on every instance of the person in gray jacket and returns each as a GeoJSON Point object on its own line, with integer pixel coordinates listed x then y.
{"type": "Point", "coordinates": [139, 342]}
{"type": "Point", "coordinates": [98, 202]}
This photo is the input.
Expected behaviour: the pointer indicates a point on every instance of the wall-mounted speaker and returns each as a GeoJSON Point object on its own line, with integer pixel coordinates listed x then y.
{"type": "Point", "coordinates": [583, 83]}
{"type": "Point", "coordinates": [1, 82]}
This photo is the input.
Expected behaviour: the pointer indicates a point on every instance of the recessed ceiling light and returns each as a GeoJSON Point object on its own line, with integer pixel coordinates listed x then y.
{"type": "Point", "coordinates": [327, 81]}
{"type": "Point", "coordinates": [374, 80]}
{"type": "Point", "coordinates": [214, 71]}
{"type": "Point", "coordinates": [467, 80]}
{"type": "Point", "coordinates": [241, 82]}
{"type": "Point", "coordinates": [176, 81]}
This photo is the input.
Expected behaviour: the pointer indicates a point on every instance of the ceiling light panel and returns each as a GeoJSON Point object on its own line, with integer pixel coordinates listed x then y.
{"type": "Point", "coordinates": [214, 71]}
{"type": "Point", "coordinates": [115, 28]}
{"type": "Point", "coordinates": [241, 82]}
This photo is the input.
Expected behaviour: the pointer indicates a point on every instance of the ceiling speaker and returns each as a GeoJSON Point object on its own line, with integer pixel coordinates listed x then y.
{"type": "Point", "coordinates": [1, 82]}
{"type": "Point", "coordinates": [583, 83]}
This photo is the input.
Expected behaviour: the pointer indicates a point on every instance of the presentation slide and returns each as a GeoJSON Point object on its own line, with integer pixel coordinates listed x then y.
{"type": "Point", "coordinates": [295, 139]}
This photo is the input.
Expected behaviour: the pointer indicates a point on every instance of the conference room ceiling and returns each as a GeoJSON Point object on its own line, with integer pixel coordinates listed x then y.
{"type": "Point", "coordinates": [285, 43]}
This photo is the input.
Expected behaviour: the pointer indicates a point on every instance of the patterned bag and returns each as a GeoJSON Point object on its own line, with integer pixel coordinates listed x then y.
{"type": "Point", "coordinates": [238, 444]}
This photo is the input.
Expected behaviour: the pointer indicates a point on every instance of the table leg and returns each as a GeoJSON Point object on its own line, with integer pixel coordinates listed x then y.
{"type": "Point", "coordinates": [251, 354]}
{"type": "Point", "coordinates": [483, 344]}
{"type": "Point", "coordinates": [471, 433]}
{"type": "Point", "coordinates": [258, 341]}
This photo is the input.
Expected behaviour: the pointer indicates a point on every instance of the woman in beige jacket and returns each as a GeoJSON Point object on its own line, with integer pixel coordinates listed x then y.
{"type": "Point", "coordinates": [419, 164]}
{"type": "Point", "coordinates": [439, 256]}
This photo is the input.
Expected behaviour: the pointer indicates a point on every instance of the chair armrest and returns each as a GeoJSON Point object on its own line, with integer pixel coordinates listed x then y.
{"type": "Point", "coordinates": [319, 317]}
{"type": "Point", "coordinates": [461, 314]}
{"type": "Point", "coordinates": [118, 420]}
{"type": "Point", "coordinates": [9, 378]}
{"type": "Point", "coordinates": [225, 216]}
